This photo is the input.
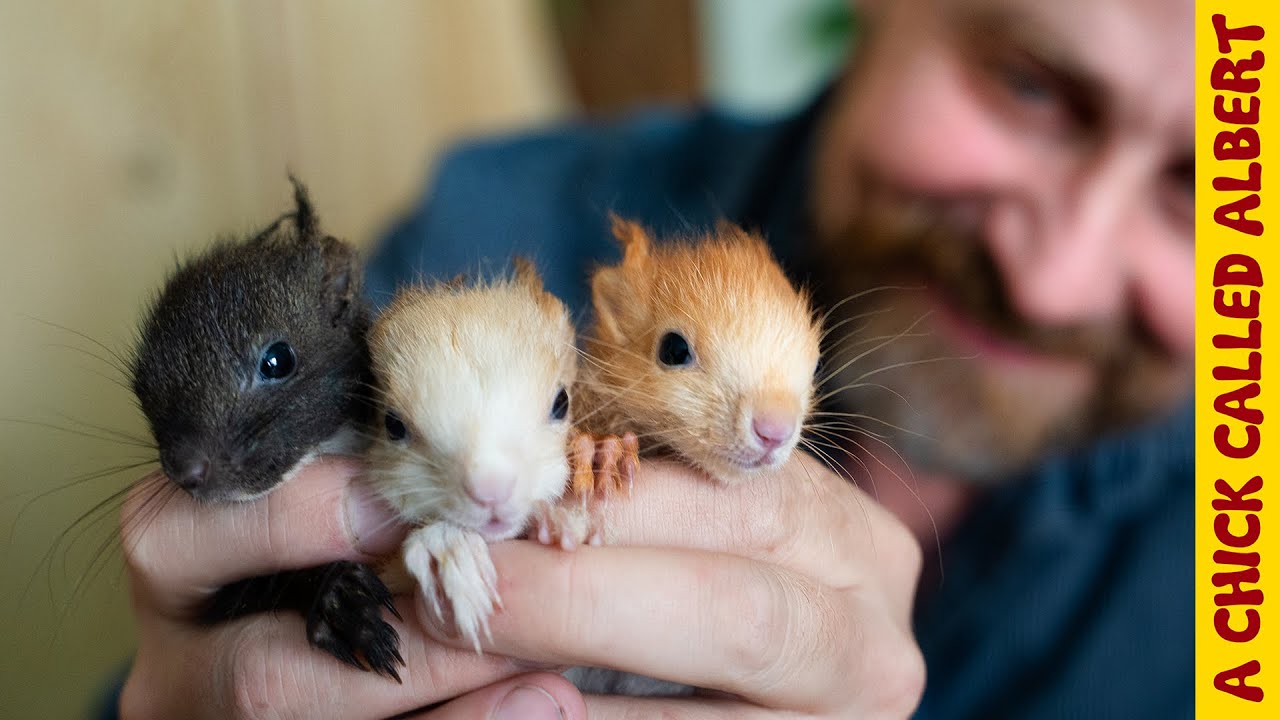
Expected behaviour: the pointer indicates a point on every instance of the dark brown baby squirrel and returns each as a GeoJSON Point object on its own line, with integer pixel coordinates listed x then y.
{"type": "Point", "coordinates": [252, 360]}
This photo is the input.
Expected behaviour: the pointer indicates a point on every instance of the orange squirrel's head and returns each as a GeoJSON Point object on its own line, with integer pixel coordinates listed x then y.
{"type": "Point", "coordinates": [705, 348]}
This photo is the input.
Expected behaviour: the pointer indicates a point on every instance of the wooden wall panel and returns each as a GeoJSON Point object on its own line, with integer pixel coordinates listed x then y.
{"type": "Point", "coordinates": [133, 130]}
{"type": "Point", "coordinates": [624, 54]}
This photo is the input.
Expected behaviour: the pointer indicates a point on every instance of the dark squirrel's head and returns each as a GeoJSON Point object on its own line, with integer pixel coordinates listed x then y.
{"type": "Point", "coordinates": [253, 354]}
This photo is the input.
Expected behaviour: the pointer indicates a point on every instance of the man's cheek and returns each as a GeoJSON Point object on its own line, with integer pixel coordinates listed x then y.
{"type": "Point", "coordinates": [1164, 290]}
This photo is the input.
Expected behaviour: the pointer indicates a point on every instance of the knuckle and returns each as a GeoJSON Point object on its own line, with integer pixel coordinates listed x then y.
{"type": "Point", "coordinates": [524, 588]}
{"type": "Point", "coordinates": [849, 639]}
{"type": "Point", "coordinates": [269, 517]}
{"type": "Point", "coordinates": [581, 612]}
{"type": "Point", "coordinates": [905, 548]}
{"type": "Point", "coordinates": [836, 637]}
{"type": "Point", "coordinates": [294, 509]}
{"type": "Point", "coordinates": [881, 666]}
{"type": "Point", "coordinates": [253, 686]}
{"type": "Point", "coordinates": [898, 682]}
{"type": "Point", "coordinates": [762, 621]}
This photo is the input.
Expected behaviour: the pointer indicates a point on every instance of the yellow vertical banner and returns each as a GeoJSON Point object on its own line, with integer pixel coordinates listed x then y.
{"type": "Point", "coordinates": [1237, 262]}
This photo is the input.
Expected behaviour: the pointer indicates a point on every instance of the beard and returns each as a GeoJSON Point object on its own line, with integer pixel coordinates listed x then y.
{"type": "Point", "coordinates": [899, 282]}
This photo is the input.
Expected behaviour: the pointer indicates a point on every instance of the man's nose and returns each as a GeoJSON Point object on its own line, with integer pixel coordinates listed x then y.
{"type": "Point", "coordinates": [1062, 255]}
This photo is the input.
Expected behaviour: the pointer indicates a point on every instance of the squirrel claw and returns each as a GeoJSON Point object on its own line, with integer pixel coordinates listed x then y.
{"type": "Point", "coordinates": [561, 522]}
{"type": "Point", "coordinates": [602, 465]}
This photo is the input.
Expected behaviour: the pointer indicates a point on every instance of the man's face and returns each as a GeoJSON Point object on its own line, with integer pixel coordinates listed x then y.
{"type": "Point", "coordinates": [1029, 164]}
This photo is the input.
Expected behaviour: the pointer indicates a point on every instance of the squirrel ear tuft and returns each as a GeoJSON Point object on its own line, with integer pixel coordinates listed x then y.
{"type": "Point", "coordinates": [634, 240]}
{"type": "Point", "coordinates": [304, 214]}
{"type": "Point", "coordinates": [527, 273]}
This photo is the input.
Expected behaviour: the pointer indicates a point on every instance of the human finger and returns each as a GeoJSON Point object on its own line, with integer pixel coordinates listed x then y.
{"type": "Point", "coordinates": [705, 619]}
{"type": "Point", "coordinates": [178, 551]}
{"type": "Point", "coordinates": [263, 664]}
{"type": "Point", "coordinates": [617, 707]}
{"type": "Point", "coordinates": [533, 696]}
{"type": "Point", "coordinates": [793, 516]}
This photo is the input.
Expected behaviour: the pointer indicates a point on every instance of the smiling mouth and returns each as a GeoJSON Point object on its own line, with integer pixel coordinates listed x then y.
{"type": "Point", "coordinates": [936, 242]}
{"type": "Point", "coordinates": [1059, 347]}
{"type": "Point", "coordinates": [973, 333]}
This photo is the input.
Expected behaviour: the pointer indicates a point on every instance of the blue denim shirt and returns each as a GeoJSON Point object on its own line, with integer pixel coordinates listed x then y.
{"type": "Point", "coordinates": [1066, 593]}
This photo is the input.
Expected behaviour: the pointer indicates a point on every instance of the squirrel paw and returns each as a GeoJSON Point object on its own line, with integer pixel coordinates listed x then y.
{"type": "Point", "coordinates": [601, 466]}
{"type": "Point", "coordinates": [564, 522]}
{"type": "Point", "coordinates": [346, 619]}
{"type": "Point", "coordinates": [453, 562]}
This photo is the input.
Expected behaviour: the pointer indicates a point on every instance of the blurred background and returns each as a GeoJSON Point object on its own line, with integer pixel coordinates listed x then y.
{"type": "Point", "coordinates": [134, 131]}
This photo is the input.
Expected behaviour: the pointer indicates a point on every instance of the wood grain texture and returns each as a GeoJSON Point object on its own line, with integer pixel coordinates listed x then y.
{"type": "Point", "coordinates": [133, 131]}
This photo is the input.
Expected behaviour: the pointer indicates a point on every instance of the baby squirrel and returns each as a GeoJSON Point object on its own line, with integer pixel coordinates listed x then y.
{"type": "Point", "coordinates": [702, 350]}
{"type": "Point", "coordinates": [251, 360]}
{"type": "Point", "coordinates": [473, 385]}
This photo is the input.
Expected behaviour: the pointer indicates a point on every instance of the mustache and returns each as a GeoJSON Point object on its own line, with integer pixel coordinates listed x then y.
{"type": "Point", "coordinates": [949, 257]}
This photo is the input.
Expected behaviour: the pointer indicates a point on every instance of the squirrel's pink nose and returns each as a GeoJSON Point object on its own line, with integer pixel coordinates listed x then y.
{"type": "Point", "coordinates": [772, 428]}
{"type": "Point", "coordinates": [490, 488]}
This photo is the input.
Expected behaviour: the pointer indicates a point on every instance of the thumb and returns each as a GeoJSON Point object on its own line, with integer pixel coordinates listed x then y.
{"type": "Point", "coordinates": [535, 696]}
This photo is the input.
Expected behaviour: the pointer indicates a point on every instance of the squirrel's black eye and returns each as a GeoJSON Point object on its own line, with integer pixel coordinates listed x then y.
{"type": "Point", "coordinates": [673, 350]}
{"type": "Point", "coordinates": [395, 427]}
{"type": "Point", "coordinates": [560, 408]}
{"type": "Point", "coordinates": [278, 361]}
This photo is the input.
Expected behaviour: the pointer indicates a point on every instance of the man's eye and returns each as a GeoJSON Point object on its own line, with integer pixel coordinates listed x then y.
{"type": "Point", "coordinates": [1179, 191]}
{"type": "Point", "coordinates": [1024, 83]}
{"type": "Point", "coordinates": [1031, 96]}
{"type": "Point", "coordinates": [1184, 176]}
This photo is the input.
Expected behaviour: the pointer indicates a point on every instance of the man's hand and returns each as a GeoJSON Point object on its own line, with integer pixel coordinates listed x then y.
{"type": "Point", "coordinates": [178, 553]}
{"type": "Point", "coordinates": [791, 594]}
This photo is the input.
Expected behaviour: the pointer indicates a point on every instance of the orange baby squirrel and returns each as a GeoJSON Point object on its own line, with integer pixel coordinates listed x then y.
{"type": "Point", "coordinates": [700, 349]}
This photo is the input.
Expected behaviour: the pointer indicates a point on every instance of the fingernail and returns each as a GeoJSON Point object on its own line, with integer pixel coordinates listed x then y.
{"type": "Point", "coordinates": [374, 527]}
{"type": "Point", "coordinates": [528, 702]}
